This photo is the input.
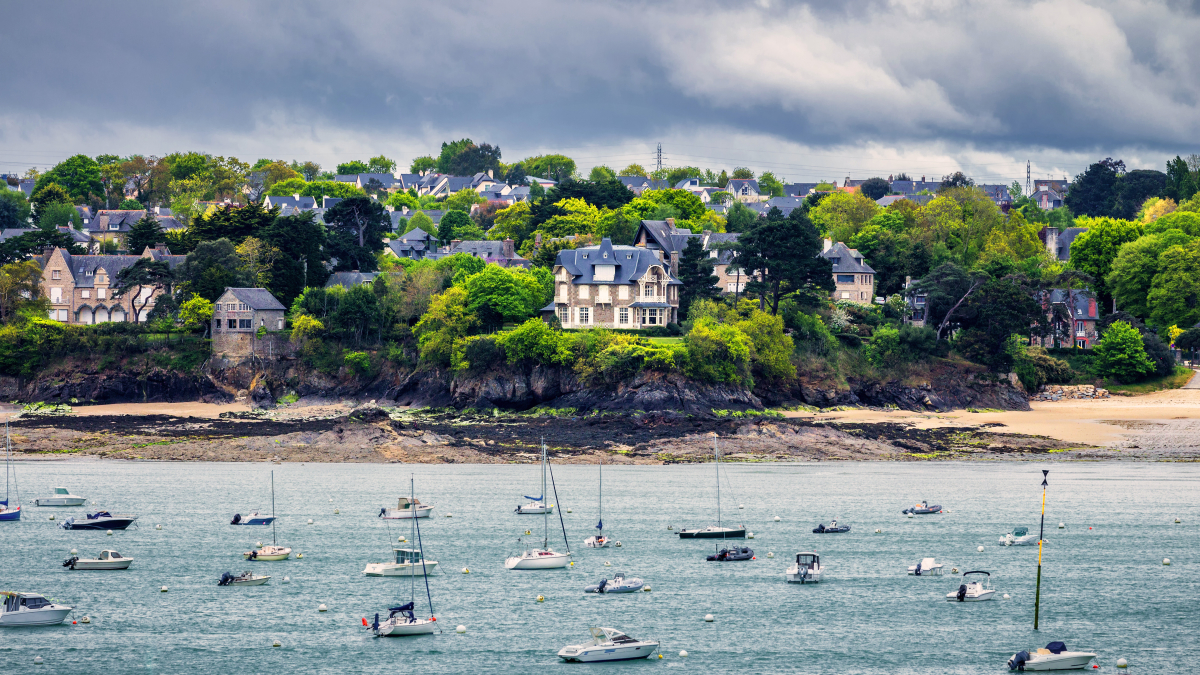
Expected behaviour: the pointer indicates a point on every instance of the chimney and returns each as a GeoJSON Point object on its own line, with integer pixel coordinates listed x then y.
{"type": "Point", "coordinates": [537, 240]}
{"type": "Point", "coordinates": [907, 281]}
{"type": "Point", "coordinates": [1052, 242]}
{"type": "Point", "coordinates": [828, 244]}
{"type": "Point", "coordinates": [922, 179]}
{"type": "Point", "coordinates": [671, 222]}
{"type": "Point", "coordinates": [490, 174]}
{"type": "Point", "coordinates": [47, 250]}
{"type": "Point", "coordinates": [509, 249]}
{"type": "Point", "coordinates": [454, 243]}
{"type": "Point", "coordinates": [161, 246]}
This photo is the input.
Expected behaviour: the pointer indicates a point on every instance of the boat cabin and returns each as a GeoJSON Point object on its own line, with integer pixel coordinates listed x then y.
{"type": "Point", "coordinates": [808, 560]}
{"type": "Point", "coordinates": [407, 555]}
{"type": "Point", "coordinates": [406, 503]}
{"type": "Point", "coordinates": [110, 555]}
{"type": "Point", "coordinates": [62, 491]}
{"type": "Point", "coordinates": [1020, 531]}
{"type": "Point", "coordinates": [14, 602]}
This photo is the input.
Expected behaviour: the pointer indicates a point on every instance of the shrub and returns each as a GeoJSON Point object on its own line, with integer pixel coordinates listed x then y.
{"type": "Point", "coordinates": [1121, 354]}
{"type": "Point", "coordinates": [718, 353]}
{"type": "Point", "coordinates": [535, 342]}
{"type": "Point", "coordinates": [477, 354]}
{"type": "Point", "coordinates": [358, 363]}
{"type": "Point", "coordinates": [916, 342]}
{"type": "Point", "coordinates": [883, 350]}
{"type": "Point", "coordinates": [809, 331]}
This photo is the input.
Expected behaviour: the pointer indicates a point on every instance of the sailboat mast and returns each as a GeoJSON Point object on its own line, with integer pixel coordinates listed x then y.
{"type": "Point", "coordinates": [273, 538]}
{"type": "Point", "coordinates": [717, 456]}
{"type": "Point", "coordinates": [412, 586]}
{"type": "Point", "coordinates": [1037, 598]}
{"type": "Point", "coordinates": [545, 512]}
{"type": "Point", "coordinates": [424, 572]}
{"type": "Point", "coordinates": [601, 528]}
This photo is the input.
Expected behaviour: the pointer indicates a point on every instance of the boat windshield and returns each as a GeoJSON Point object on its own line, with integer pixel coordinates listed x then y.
{"type": "Point", "coordinates": [1020, 531]}
{"type": "Point", "coordinates": [34, 602]}
{"type": "Point", "coordinates": [61, 491]}
{"type": "Point", "coordinates": [806, 559]}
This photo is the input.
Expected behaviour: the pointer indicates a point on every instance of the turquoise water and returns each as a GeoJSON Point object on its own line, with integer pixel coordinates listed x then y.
{"type": "Point", "coordinates": [1104, 588]}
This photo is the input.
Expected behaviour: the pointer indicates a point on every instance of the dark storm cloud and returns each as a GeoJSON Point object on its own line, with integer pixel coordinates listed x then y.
{"type": "Point", "coordinates": [1060, 74]}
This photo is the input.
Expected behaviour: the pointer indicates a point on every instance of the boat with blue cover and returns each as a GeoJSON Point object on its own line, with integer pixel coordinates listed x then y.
{"type": "Point", "coordinates": [923, 508]}
{"type": "Point", "coordinates": [1053, 656]}
{"type": "Point", "coordinates": [735, 554]}
{"type": "Point", "coordinates": [9, 511]}
{"type": "Point", "coordinates": [831, 528]}
{"type": "Point", "coordinates": [101, 520]}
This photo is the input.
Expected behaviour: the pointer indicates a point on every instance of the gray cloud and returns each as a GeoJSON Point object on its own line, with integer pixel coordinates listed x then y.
{"type": "Point", "coordinates": [950, 82]}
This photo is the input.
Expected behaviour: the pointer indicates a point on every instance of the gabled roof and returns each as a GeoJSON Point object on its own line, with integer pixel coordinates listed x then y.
{"type": "Point", "coordinates": [849, 260]}
{"type": "Point", "coordinates": [294, 201]}
{"type": "Point", "coordinates": [256, 298]}
{"type": "Point", "coordinates": [799, 189]}
{"type": "Point", "coordinates": [416, 234]}
{"type": "Point", "coordinates": [106, 218]}
{"type": "Point", "coordinates": [489, 249]}
{"type": "Point", "coordinates": [735, 185]}
{"type": "Point", "coordinates": [714, 240]}
{"type": "Point", "coordinates": [1085, 303]}
{"type": "Point", "coordinates": [785, 204]}
{"type": "Point", "coordinates": [630, 263]}
{"type": "Point", "coordinates": [349, 279]}
{"type": "Point", "coordinates": [664, 235]}
{"type": "Point", "coordinates": [83, 267]}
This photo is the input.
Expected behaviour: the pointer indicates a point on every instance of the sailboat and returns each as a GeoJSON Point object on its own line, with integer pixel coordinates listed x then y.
{"type": "Point", "coordinates": [274, 552]}
{"type": "Point", "coordinates": [401, 621]}
{"type": "Point", "coordinates": [716, 531]}
{"type": "Point", "coordinates": [599, 540]}
{"type": "Point", "coordinates": [537, 505]}
{"type": "Point", "coordinates": [7, 510]}
{"type": "Point", "coordinates": [544, 558]}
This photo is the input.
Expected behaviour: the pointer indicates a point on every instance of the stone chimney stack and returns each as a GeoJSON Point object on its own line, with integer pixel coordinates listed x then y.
{"type": "Point", "coordinates": [537, 240]}
{"type": "Point", "coordinates": [671, 222]}
{"type": "Point", "coordinates": [826, 245]}
{"type": "Point", "coordinates": [509, 249]}
{"type": "Point", "coordinates": [1052, 242]}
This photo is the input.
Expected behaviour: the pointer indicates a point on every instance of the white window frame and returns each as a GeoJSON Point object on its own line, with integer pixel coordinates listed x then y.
{"type": "Point", "coordinates": [585, 316]}
{"type": "Point", "coordinates": [564, 315]}
{"type": "Point", "coordinates": [623, 316]}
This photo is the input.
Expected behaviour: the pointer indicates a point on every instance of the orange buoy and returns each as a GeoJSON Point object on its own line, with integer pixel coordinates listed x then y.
{"type": "Point", "coordinates": [364, 620]}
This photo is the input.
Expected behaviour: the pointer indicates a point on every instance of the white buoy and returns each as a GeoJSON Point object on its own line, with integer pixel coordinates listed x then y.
{"type": "Point", "coordinates": [300, 556]}
{"type": "Point", "coordinates": [331, 500]}
{"type": "Point", "coordinates": [109, 533]}
{"type": "Point", "coordinates": [618, 544]}
{"type": "Point", "coordinates": [749, 535]}
{"type": "Point", "coordinates": [607, 564]}
{"type": "Point", "coordinates": [777, 519]}
{"type": "Point", "coordinates": [570, 511]}
{"type": "Point", "coordinates": [466, 571]}
{"type": "Point", "coordinates": [1062, 526]}
{"type": "Point", "coordinates": [276, 644]}
{"type": "Point", "coordinates": [708, 618]}
{"type": "Point", "coordinates": [401, 539]}
{"type": "Point", "coordinates": [1122, 663]}
{"type": "Point", "coordinates": [51, 517]}
{"type": "Point", "coordinates": [541, 598]}
{"type": "Point", "coordinates": [460, 629]}
{"type": "Point", "coordinates": [37, 660]}
{"type": "Point", "coordinates": [910, 515]}
{"type": "Point", "coordinates": [322, 608]}
{"type": "Point", "coordinates": [163, 589]}
{"type": "Point", "coordinates": [1176, 520]}
{"type": "Point", "coordinates": [287, 580]}
{"type": "Point", "coordinates": [646, 588]}
{"type": "Point", "coordinates": [258, 544]}
{"type": "Point", "coordinates": [310, 521]}
{"type": "Point", "coordinates": [877, 530]}
{"type": "Point", "coordinates": [1166, 561]}
{"type": "Point", "coordinates": [74, 552]}
{"type": "Point", "coordinates": [337, 512]}
{"type": "Point", "coordinates": [449, 515]}
{"type": "Point", "coordinates": [741, 506]}
{"type": "Point", "coordinates": [86, 619]}
{"type": "Point", "coordinates": [683, 653]}
{"type": "Point", "coordinates": [1007, 596]}
{"type": "Point", "coordinates": [158, 527]}
{"type": "Point", "coordinates": [770, 554]}
{"type": "Point", "coordinates": [980, 549]}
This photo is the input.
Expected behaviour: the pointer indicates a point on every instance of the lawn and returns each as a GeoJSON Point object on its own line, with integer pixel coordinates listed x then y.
{"type": "Point", "coordinates": [1174, 381]}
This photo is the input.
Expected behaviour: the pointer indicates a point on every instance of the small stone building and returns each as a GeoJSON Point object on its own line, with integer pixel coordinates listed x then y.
{"type": "Point", "coordinates": [853, 278]}
{"type": "Point", "coordinates": [237, 316]}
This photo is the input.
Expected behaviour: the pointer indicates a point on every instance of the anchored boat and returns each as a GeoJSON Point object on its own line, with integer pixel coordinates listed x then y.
{"type": "Point", "coordinates": [409, 562]}
{"type": "Point", "coordinates": [807, 569]}
{"type": "Point", "coordinates": [619, 584]}
{"type": "Point", "coordinates": [715, 531]}
{"type": "Point", "coordinates": [401, 621]}
{"type": "Point", "coordinates": [9, 511]}
{"type": "Point", "coordinates": [246, 578]}
{"type": "Point", "coordinates": [543, 558]}
{"type": "Point", "coordinates": [926, 568]}
{"type": "Point", "coordinates": [30, 609]}
{"type": "Point", "coordinates": [62, 497]}
{"type": "Point", "coordinates": [973, 591]}
{"type": "Point", "coordinates": [1020, 536]}
{"type": "Point", "coordinates": [608, 644]}
{"type": "Point", "coordinates": [274, 552]}
{"type": "Point", "coordinates": [252, 519]}
{"type": "Point", "coordinates": [406, 507]}
{"type": "Point", "coordinates": [1053, 656]}
{"type": "Point", "coordinates": [101, 520]}
{"type": "Point", "coordinates": [831, 528]}
{"type": "Point", "coordinates": [923, 508]}
{"type": "Point", "coordinates": [108, 560]}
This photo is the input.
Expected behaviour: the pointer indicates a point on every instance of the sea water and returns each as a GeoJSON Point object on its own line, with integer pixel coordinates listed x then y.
{"type": "Point", "coordinates": [1104, 587]}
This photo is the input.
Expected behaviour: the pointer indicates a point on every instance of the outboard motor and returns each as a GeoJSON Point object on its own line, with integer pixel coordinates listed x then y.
{"type": "Point", "coordinates": [237, 518]}
{"type": "Point", "coordinates": [383, 512]}
{"type": "Point", "coordinates": [254, 554]}
{"type": "Point", "coordinates": [918, 570]}
{"type": "Point", "coordinates": [66, 524]}
{"type": "Point", "coordinates": [226, 579]}
{"type": "Point", "coordinates": [1017, 662]}
{"type": "Point", "coordinates": [375, 626]}
{"type": "Point", "coordinates": [600, 586]}
{"type": "Point", "coordinates": [962, 592]}
{"type": "Point", "coordinates": [70, 562]}
{"type": "Point", "coordinates": [819, 529]}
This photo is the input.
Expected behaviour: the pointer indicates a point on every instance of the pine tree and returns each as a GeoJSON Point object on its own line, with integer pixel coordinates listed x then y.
{"type": "Point", "coordinates": [145, 233]}
{"type": "Point", "coordinates": [696, 273]}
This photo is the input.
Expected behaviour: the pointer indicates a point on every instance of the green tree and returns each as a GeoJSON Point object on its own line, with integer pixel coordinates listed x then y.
{"type": "Point", "coordinates": [210, 268]}
{"type": "Point", "coordinates": [1134, 188]}
{"type": "Point", "coordinates": [300, 239]}
{"type": "Point", "coordinates": [633, 170]}
{"type": "Point", "coordinates": [1184, 221]}
{"type": "Point", "coordinates": [187, 165]}
{"type": "Point", "coordinates": [381, 164]}
{"type": "Point", "coordinates": [451, 224]}
{"type": "Point", "coordinates": [59, 214]}
{"type": "Point", "coordinates": [142, 281]}
{"type": "Point", "coordinates": [421, 220]}
{"type": "Point", "coordinates": [555, 167]}
{"type": "Point", "coordinates": [1134, 268]}
{"type": "Point", "coordinates": [447, 320]}
{"type": "Point", "coordinates": [356, 227]}
{"type": "Point", "coordinates": [1093, 251]}
{"type": "Point", "coordinates": [475, 159]}
{"type": "Point", "coordinates": [450, 150]}
{"type": "Point", "coordinates": [781, 256]}
{"type": "Point", "coordinates": [1174, 298]}
{"type": "Point", "coordinates": [330, 188]}
{"type": "Point", "coordinates": [195, 314]}
{"type": "Point", "coordinates": [45, 195]}
{"type": "Point", "coordinates": [875, 188]}
{"type": "Point", "coordinates": [130, 205]}
{"type": "Point", "coordinates": [696, 274]}
{"type": "Point", "coordinates": [741, 173]}
{"type": "Point", "coordinates": [232, 222]}
{"type": "Point", "coordinates": [352, 168]}
{"type": "Point", "coordinates": [1001, 308]}
{"type": "Point", "coordinates": [740, 218]}
{"type": "Point", "coordinates": [1121, 354]}
{"type": "Point", "coordinates": [78, 175]}
{"type": "Point", "coordinates": [1181, 182]}
{"type": "Point", "coordinates": [946, 289]}
{"type": "Point", "coordinates": [143, 234]}
{"type": "Point", "coordinates": [718, 353]}
{"type": "Point", "coordinates": [21, 247]}
{"type": "Point", "coordinates": [288, 187]}
{"type": "Point", "coordinates": [883, 350]}
{"type": "Point", "coordinates": [463, 200]}
{"type": "Point", "coordinates": [1094, 192]}
{"type": "Point", "coordinates": [14, 210]}
{"type": "Point", "coordinates": [20, 290]}
{"type": "Point", "coordinates": [768, 184]}
{"type": "Point", "coordinates": [424, 163]}
{"type": "Point", "coordinates": [499, 295]}
{"type": "Point", "coordinates": [601, 173]}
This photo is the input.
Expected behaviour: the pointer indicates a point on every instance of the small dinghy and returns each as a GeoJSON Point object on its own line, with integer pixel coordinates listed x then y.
{"type": "Point", "coordinates": [30, 609]}
{"type": "Point", "coordinates": [732, 555]}
{"type": "Point", "coordinates": [923, 508]}
{"type": "Point", "coordinates": [246, 578]}
{"type": "Point", "coordinates": [108, 560]}
{"type": "Point", "coordinates": [406, 508]}
{"type": "Point", "coordinates": [973, 591]}
{"type": "Point", "coordinates": [831, 528]}
{"type": "Point", "coordinates": [1053, 656]}
{"type": "Point", "coordinates": [806, 570]}
{"type": "Point", "coordinates": [102, 520]}
{"type": "Point", "coordinates": [619, 584]}
{"type": "Point", "coordinates": [252, 519]}
{"type": "Point", "coordinates": [62, 497]}
{"type": "Point", "coordinates": [1020, 536]}
{"type": "Point", "coordinates": [608, 644]}
{"type": "Point", "coordinates": [926, 568]}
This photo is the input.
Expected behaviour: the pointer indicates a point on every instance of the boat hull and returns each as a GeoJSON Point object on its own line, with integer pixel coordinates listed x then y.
{"type": "Point", "coordinates": [250, 582]}
{"type": "Point", "coordinates": [724, 533]}
{"type": "Point", "coordinates": [256, 521]}
{"type": "Point", "coordinates": [418, 627]}
{"type": "Point", "coordinates": [1027, 540]}
{"type": "Point", "coordinates": [597, 542]}
{"type": "Point", "coordinates": [598, 653]}
{"type": "Point", "coordinates": [271, 555]}
{"type": "Point", "coordinates": [406, 514]}
{"type": "Point", "coordinates": [985, 595]}
{"type": "Point", "coordinates": [10, 514]}
{"type": "Point", "coordinates": [99, 524]}
{"type": "Point", "coordinates": [122, 564]}
{"type": "Point", "coordinates": [38, 617]}
{"type": "Point", "coordinates": [60, 501]}
{"type": "Point", "coordinates": [794, 576]}
{"type": "Point", "coordinates": [400, 569]}
{"type": "Point", "coordinates": [935, 571]}
{"type": "Point", "coordinates": [529, 510]}
{"type": "Point", "coordinates": [545, 562]}
{"type": "Point", "coordinates": [1063, 661]}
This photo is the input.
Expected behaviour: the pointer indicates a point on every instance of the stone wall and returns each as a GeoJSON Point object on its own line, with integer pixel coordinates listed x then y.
{"type": "Point", "coordinates": [1059, 392]}
{"type": "Point", "coordinates": [237, 345]}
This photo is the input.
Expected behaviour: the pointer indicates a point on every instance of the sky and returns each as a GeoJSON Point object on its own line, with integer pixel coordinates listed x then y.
{"type": "Point", "coordinates": [808, 91]}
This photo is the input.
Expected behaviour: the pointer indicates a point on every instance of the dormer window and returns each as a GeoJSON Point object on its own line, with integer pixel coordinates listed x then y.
{"type": "Point", "coordinates": [836, 261]}
{"type": "Point", "coordinates": [114, 226]}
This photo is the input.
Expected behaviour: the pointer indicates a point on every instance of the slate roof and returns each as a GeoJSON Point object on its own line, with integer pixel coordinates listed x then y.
{"type": "Point", "coordinates": [735, 185]}
{"type": "Point", "coordinates": [631, 263]}
{"type": "Point", "coordinates": [330, 202]}
{"type": "Point", "coordinates": [920, 200]}
{"type": "Point", "coordinates": [257, 298]}
{"type": "Point", "coordinates": [785, 204]}
{"type": "Point", "coordinates": [106, 218]}
{"type": "Point", "coordinates": [725, 256]}
{"type": "Point", "coordinates": [294, 201]}
{"type": "Point", "coordinates": [490, 250]}
{"type": "Point", "coordinates": [387, 180]}
{"type": "Point", "coordinates": [349, 279]}
{"type": "Point", "coordinates": [849, 260]}
{"type": "Point", "coordinates": [27, 186]}
{"type": "Point", "coordinates": [799, 189]}
{"type": "Point", "coordinates": [83, 267]}
{"type": "Point", "coordinates": [912, 187]}
{"type": "Point", "coordinates": [665, 236]}
{"type": "Point", "coordinates": [5, 235]}
{"type": "Point", "coordinates": [1085, 307]}
{"type": "Point", "coordinates": [1066, 238]}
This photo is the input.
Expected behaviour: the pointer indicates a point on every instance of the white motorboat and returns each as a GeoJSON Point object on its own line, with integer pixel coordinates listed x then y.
{"type": "Point", "coordinates": [599, 540]}
{"type": "Point", "coordinates": [608, 644]}
{"type": "Point", "coordinates": [30, 609]}
{"type": "Point", "coordinates": [806, 570]}
{"type": "Point", "coordinates": [973, 591]}
{"type": "Point", "coordinates": [618, 584]}
{"type": "Point", "coordinates": [62, 497]}
{"type": "Point", "coordinates": [246, 578]}
{"type": "Point", "coordinates": [1020, 536]}
{"type": "Point", "coordinates": [273, 552]}
{"type": "Point", "coordinates": [253, 519]}
{"type": "Point", "coordinates": [401, 621]}
{"type": "Point", "coordinates": [108, 560]}
{"type": "Point", "coordinates": [408, 563]}
{"type": "Point", "coordinates": [926, 568]}
{"type": "Point", "coordinates": [1053, 656]}
{"type": "Point", "coordinates": [536, 507]}
{"type": "Point", "coordinates": [715, 531]}
{"type": "Point", "coordinates": [101, 520]}
{"type": "Point", "coordinates": [406, 508]}
{"type": "Point", "coordinates": [8, 510]}
{"type": "Point", "coordinates": [543, 558]}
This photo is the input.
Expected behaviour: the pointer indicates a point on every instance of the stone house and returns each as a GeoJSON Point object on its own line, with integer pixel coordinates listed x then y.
{"type": "Point", "coordinates": [237, 316]}
{"type": "Point", "coordinates": [1082, 307]}
{"type": "Point", "coordinates": [80, 287]}
{"type": "Point", "coordinates": [620, 287]}
{"type": "Point", "coordinates": [730, 278]}
{"type": "Point", "coordinates": [415, 244]}
{"type": "Point", "coordinates": [853, 277]}
{"type": "Point", "coordinates": [664, 238]}
{"type": "Point", "coordinates": [744, 189]}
